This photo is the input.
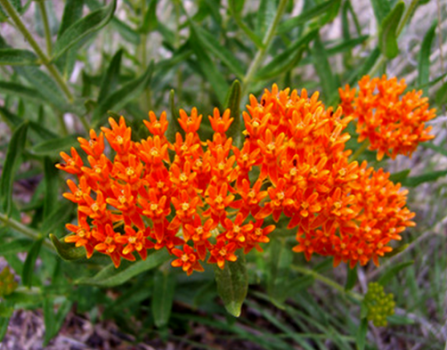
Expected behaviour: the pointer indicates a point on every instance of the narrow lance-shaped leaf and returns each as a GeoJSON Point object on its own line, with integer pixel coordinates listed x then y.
{"type": "Point", "coordinates": [30, 262]}
{"type": "Point", "coordinates": [59, 216]}
{"type": "Point", "coordinates": [424, 58]}
{"type": "Point", "coordinates": [393, 271]}
{"type": "Point", "coordinates": [287, 59]}
{"type": "Point", "coordinates": [280, 260]}
{"type": "Point", "coordinates": [208, 69]}
{"type": "Point", "coordinates": [265, 16]}
{"type": "Point", "coordinates": [328, 81]}
{"type": "Point", "coordinates": [306, 16]}
{"type": "Point", "coordinates": [51, 176]}
{"type": "Point", "coordinates": [110, 79]}
{"type": "Point", "coordinates": [122, 96]}
{"type": "Point", "coordinates": [4, 322]}
{"type": "Point", "coordinates": [381, 9]}
{"type": "Point", "coordinates": [83, 27]}
{"type": "Point", "coordinates": [351, 279]}
{"type": "Point", "coordinates": [233, 103]}
{"type": "Point", "coordinates": [232, 284]}
{"type": "Point", "coordinates": [67, 251]}
{"type": "Point", "coordinates": [221, 52]}
{"type": "Point", "coordinates": [388, 31]}
{"type": "Point", "coordinates": [174, 126]}
{"type": "Point", "coordinates": [53, 147]}
{"type": "Point", "coordinates": [19, 90]}
{"type": "Point", "coordinates": [17, 57]}
{"type": "Point", "coordinates": [163, 297]}
{"type": "Point", "coordinates": [150, 22]}
{"type": "Point", "coordinates": [111, 276]}
{"type": "Point", "coordinates": [360, 338]}
{"type": "Point", "coordinates": [12, 162]}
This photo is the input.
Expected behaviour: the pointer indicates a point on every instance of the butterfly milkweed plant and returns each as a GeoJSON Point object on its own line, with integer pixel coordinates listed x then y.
{"type": "Point", "coordinates": [218, 174]}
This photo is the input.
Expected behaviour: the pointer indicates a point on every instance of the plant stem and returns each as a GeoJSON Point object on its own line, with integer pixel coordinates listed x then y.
{"type": "Point", "coordinates": [359, 151]}
{"type": "Point", "coordinates": [327, 281]}
{"type": "Point", "coordinates": [259, 57]}
{"type": "Point", "coordinates": [44, 59]}
{"type": "Point", "coordinates": [25, 230]}
{"type": "Point", "coordinates": [84, 123]}
{"type": "Point", "coordinates": [46, 26]}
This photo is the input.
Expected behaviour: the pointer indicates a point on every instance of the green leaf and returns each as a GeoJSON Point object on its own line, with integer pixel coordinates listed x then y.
{"type": "Point", "coordinates": [163, 297]}
{"type": "Point", "coordinates": [19, 90]}
{"type": "Point", "coordinates": [52, 148]}
{"type": "Point", "coordinates": [365, 67]}
{"type": "Point", "coordinates": [286, 60]}
{"type": "Point", "coordinates": [400, 176]}
{"type": "Point", "coordinates": [83, 27]}
{"type": "Point", "coordinates": [4, 322]}
{"type": "Point", "coordinates": [11, 164]}
{"type": "Point", "coordinates": [306, 16]}
{"type": "Point", "coordinates": [53, 23]}
{"type": "Point", "coordinates": [150, 22]}
{"type": "Point", "coordinates": [265, 16]}
{"type": "Point", "coordinates": [15, 246]}
{"type": "Point", "coordinates": [67, 251]}
{"type": "Point", "coordinates": [59, 216]}
{"type": "Point", "coordinates": [233, 102]}
{"type": "Point", "coordinates": [72, 13]}
{"type": "Point", "coordinates": [236, 6]}
{"type": "Point", "coordinates": [441, 95]}
{"type": "Point", "coordinates": [53, 322]}
{"type": "Point", "coordinates": [119, 98]}
{"type": "Point", "coordinates": [111, 276]}
{"type": "Point", "coordinates": [51, 177]}
{"type": "Point", "coordinates": [45, 86]}
{"type": "Point", "coordinates": [208, 68]}
{"type": "Point", "coordinates": [360, 339]}
{"type": "Point", "coordinates": [281, 258]}
{"type": "Point", "coordinates": [428, 177]}
{"type": "Point", "coordinates": [393, 271]}
{"type": "Point", "coordinates": [174, 126]}
{"type": "Point", "coordinates": [111, 77]}
{"type": "Point", "coordinates": [328, 81]}
{"type": "Point", "coordinates": [387, 32]}
{"type": "Point", "coordinates": [381, 9]}
{"type": "Point", "coordinates": [30, 262]}
{"type": "Point", "coordinates": [424, 57]}
{"type": "Point", "coordinates": [16, 57]}
{"type": "Point", "coordinates": [232, 284]}
{"type": "Point", "coordinates": [351, 278]}
{"type": "Point", "coordinates": [226, 57]}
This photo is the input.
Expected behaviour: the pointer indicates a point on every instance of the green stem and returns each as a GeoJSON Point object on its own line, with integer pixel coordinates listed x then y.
{"type": "Point", "coordinates": [259, 57]}
{"type": "Point", "coordinates": [84, 123]}
{"type": "Point", "coordinates": [359, 151]}
{"type": "Point", "coordinates": [46, 26]}
{"type": "Point", "coordinates": [44, 59]}
{"type": "Point", "coordinates": [30, 233]}
{"type": "Point", "coordinates": [327, 281]}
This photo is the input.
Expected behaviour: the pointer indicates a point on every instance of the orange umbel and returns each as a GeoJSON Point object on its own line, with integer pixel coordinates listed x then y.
{"type": "Point", "coordinates": [393, 122]}
{"type": "Point", "coordinates": [212, 199]}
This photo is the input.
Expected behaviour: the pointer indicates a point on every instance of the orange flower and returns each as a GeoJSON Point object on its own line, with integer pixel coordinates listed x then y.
{"type": "Point", "coordinates": [293, 161]}
{"type": "Point", "coordinates": [392, 122]}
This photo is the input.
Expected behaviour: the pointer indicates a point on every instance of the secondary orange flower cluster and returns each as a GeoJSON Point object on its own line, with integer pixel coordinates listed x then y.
{"type": "Point", "coordinates": [212, 198]}
{"type": "Point", "coordinates": [393, 124]}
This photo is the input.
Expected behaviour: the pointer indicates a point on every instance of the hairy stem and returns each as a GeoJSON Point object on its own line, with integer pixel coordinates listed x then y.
{"type": "Point", "coordinates": [46, 26]}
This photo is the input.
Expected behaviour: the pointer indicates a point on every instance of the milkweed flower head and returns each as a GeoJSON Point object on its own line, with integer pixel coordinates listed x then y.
{"type": "Point", "coordinates": [211, 198]}
{"type": "Point", "coordinates": [391, 120]}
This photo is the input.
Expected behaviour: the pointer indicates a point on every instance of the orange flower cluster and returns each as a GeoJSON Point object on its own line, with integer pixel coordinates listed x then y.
{"type": "Point", "coordinates": [211, 198]}
{"type": "Point", "coordinates": [393, 124]}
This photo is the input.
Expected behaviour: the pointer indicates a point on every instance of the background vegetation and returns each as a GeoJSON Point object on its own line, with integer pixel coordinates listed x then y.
{"type": "Point", "coordinates": [65, 66]}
